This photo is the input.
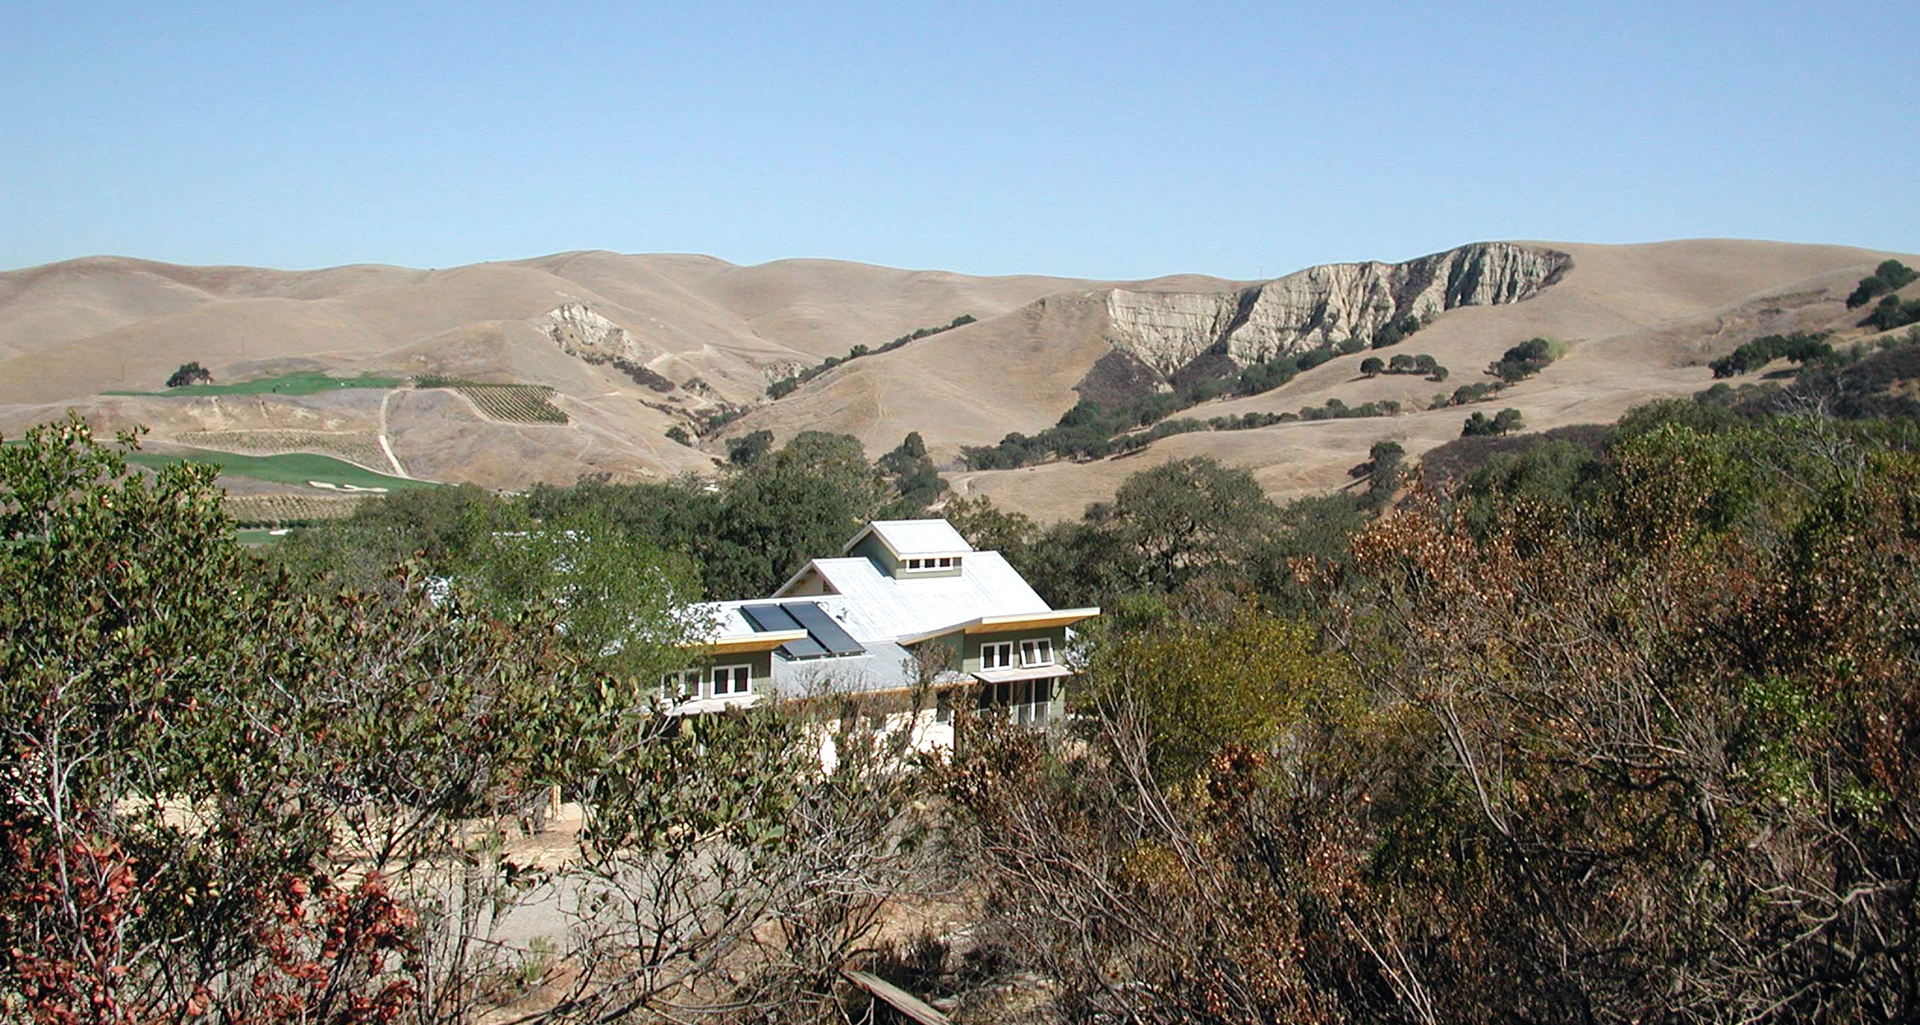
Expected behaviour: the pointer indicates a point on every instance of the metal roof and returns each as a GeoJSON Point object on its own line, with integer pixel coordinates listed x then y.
{"type": "Point", "coordinates": [728, 620]}
{"type": "Point", "coordinates": [879, 613]}
{"type": "Point", "coordinates": [872, 606]}
{"type": "Point", "coordinates": [895, 608]}
{"type": "Point", "coordinates": [915, 537]}
{"type": "Point", "coordinates": [883, 666]}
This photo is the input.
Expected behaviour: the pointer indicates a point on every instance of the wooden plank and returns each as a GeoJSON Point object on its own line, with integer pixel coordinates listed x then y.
{"type": "Point", "coordinates": [895, 997]}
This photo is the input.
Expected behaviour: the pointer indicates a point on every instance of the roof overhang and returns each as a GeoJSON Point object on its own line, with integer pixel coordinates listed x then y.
{"type": "Point", "coordinates": [742, 643]}
{"type": "Point", "coordinates": [1012, 621]}
{"type": "Point", "coordinates": [1053, 672]}
{"type": "Point", "coordinates": [1030, 620]}
{"type": "Point", "coordinates": [871, 531]}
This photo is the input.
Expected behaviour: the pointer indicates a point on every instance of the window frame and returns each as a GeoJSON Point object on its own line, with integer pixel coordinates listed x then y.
{"type": "Point", "coordinates": [1035, 644]}
{"type": "Point", "coordinates": [745, 679]}
{"type": "Point", "coordinates": [1005, 650]}
{"type": "Point", "coordinates": [681, 684]}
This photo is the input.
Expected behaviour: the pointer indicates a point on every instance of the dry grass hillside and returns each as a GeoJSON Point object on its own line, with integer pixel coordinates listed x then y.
{"type": "Point", "coordinates": [698, 336]}
{"type": "Point", "coordinates": [714, 333]}
{"type": "Point", "coordinates": [1641, 322]}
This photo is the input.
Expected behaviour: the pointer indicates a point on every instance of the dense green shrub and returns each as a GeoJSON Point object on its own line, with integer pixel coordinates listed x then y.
{"type": "Point", "coordinates": [1799, 347]}
{"type": "Point", "coordinates": [748, 448]}
{"type": "Point", "coordinates": [1890, 276]}
{"type": "Point", "coordinates": [1892, 313]}
{"type": "Point", "coordinates": [1479, 425]}
{"type": "Point", "coordinates": [1383, 471]}
{"type": "Point", "coordinates": [1526, 359]}
{"type": "Point", "coordinates": [1397, 331]}
{"type": "Point", "coordinates": [1271, 374]}
{"type": "Point", "coordinates": [1539, 686]}
{"type": "Point", "coordinates": [189, 374]}
{"type": "Point", "coordinates": [1466, 394]}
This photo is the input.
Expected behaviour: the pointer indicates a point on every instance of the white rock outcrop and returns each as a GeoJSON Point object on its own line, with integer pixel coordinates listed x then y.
{"type": "Point", "coordinates": [581, 331]}
{"type": "Point", "coordinates": [1322, 305]}
{"type": "Point", "coordinates": [1168, 330]}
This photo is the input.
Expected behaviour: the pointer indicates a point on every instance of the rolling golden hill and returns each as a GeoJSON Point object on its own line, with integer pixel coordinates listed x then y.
{"type": "Point", "coordinates": [633, 346]}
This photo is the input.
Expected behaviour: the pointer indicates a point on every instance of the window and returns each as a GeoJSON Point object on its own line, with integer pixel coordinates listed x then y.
{"type": "Point", "coordinates": [913, 563]}
{"type": "Point", "coordinates": [997, 655]}
{"type": "Point", "coordinates": [1025, 702]}
{"type": "Point", "coordinates": [1039, 696]}
{"type": "Point", "coordinates": [681, 685]}
{"type": "Point", "coordinates": [1036, 652]}
{"type": "Point", "coordinates": [732, 680]}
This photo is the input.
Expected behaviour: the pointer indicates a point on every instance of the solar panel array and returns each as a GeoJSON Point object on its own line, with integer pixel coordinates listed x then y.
{"type": "Point", "coordinates": [823, 629]}
{"type": "Point", "coordinates": [824, 636]}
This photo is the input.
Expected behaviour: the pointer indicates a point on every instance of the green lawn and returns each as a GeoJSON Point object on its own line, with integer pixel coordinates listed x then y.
{"type": "Point", "coordinates": [254, 537]}
{"type": "Point", "coordinates": [290, 468]}
{"type": "Point", "coordinates": [306, 382]}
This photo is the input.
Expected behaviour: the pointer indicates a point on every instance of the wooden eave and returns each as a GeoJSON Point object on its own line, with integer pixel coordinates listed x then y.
{"type": "Point", "coordinates": [742, 643]}
{"type": "Point", "coordinates": [1030, 620]}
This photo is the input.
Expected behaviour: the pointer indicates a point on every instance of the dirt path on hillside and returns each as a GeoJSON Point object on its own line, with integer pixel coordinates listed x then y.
{"type": "Point", "coordinates": [385, 445]}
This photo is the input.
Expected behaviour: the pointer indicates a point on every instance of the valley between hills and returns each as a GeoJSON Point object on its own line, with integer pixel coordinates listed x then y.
{"type": "Point", "coordinates": [545, 370]}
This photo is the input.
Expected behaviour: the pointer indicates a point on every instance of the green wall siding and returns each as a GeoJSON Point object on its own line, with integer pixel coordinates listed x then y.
{"type": "Point", "coordinates": [761, 672]}
{"type": "Point", "coordinates": [871, 548]}
{"type": "Point", "coordinates": [1056, 634]}
{"type": "Point", "coordinates": [1057, 705]}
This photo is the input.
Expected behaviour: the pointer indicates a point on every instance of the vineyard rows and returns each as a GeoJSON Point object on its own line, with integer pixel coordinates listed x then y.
{"type": "Point", "coordinates": [517, 403]}
{"type": "Point", "coordinates": [361, 447]}
{"type": "Point", "coordinates": [286, 510]}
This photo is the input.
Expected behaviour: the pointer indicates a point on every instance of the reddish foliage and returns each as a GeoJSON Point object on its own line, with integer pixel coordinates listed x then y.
{"type": "Point", "coordinates": [339, 957]}
{"type": "Point", "coordinates": [72, 918]}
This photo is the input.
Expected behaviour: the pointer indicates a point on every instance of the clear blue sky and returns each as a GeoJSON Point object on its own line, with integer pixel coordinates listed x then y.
{"type": "Point", "coordinates": [1095, 140]}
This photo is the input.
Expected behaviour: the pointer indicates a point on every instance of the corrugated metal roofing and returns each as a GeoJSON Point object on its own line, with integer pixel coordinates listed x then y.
{"type": "Point", "coordinates": [882, 666]}
{"type": "Point", "coordinates": [872, 606]}
{"type": "Point", "coordinates": [895, 608]}
{"type": "Point", "coordinates": [921, 537]}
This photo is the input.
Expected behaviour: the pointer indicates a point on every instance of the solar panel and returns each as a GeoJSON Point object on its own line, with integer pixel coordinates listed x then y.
{"type": "Point", "coordinates": [772, 619]}
{"type": "Point", "coordinates": [822, 628]}
{"type": "Point", "coordinates": [769, 618]}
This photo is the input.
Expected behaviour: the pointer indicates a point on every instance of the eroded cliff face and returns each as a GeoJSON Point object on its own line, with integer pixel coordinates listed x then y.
{"type": "Point", "coordinates": [1168, 330]}
{"type": "Point", "coordinates": [581, 331]}
{"type": "Point", "coordinates": [1322, 305]}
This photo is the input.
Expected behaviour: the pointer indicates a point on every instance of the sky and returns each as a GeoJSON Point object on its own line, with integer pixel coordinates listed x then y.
{"type": "Point", "coordinates": [1107, 140]}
